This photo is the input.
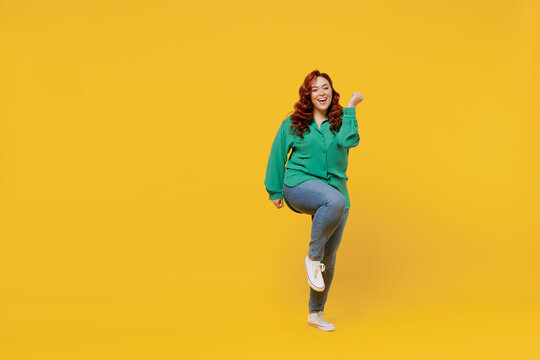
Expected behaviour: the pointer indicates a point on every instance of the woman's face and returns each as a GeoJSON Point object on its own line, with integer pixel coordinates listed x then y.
{"type": "Point", "coordinates": [321, 94]}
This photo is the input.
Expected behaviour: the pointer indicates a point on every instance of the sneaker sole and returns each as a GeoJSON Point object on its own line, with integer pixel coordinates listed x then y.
{"type": "Point", "coordinates": [323, 328]}
{"type": "Point", "coordinates": [309, 281]}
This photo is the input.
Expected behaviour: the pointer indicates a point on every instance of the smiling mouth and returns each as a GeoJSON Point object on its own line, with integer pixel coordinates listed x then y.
{"type": "Point", "coordinates": [322, 101]}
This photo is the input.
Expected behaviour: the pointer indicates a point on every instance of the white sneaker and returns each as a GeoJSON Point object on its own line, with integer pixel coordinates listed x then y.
{"type": "Point", "coordinates": [317, 320]}
{"type": "Point", "coordinates": [314, 271]}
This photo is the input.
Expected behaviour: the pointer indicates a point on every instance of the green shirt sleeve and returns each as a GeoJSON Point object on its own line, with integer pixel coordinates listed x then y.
{"type": "Point", "coordinates": [347, 136]}
{"type": "Point", "coordinates": [275, 169]}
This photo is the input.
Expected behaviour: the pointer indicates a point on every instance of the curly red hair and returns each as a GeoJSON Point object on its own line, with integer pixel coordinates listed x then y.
{"type": "Point", "coordinates": [303, 109]}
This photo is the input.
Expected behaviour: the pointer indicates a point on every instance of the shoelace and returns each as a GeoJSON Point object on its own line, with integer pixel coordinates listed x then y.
{"type": "Point", "coordinates": [322, 319]}
{"type": "Point", "coordinates": [320, 268]}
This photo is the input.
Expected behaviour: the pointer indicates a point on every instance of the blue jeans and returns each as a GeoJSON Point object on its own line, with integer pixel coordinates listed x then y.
{"type": "Point", "coordinates": [327, 207]}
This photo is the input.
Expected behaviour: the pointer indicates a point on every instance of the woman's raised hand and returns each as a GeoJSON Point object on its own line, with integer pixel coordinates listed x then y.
{"type": "Point", "coordinates": [278, 203]}
{"type": "Point", "coordinates": [355, 99]}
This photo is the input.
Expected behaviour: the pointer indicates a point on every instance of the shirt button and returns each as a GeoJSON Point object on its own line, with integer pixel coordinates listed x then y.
{"type": "Point", "coordinates": [324, 168]}
{"type": "Point", "coordinates": [324, 151]}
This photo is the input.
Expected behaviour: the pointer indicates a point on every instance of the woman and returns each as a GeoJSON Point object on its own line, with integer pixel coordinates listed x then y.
{"type": "Point", "coordinates": [320, 133]}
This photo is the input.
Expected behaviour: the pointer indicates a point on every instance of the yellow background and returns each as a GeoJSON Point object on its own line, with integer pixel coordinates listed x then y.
{"type": "Point", "coordinates": [134, 139]}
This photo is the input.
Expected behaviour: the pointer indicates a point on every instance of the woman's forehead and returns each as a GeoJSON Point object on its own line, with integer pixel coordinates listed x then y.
{"type": "Point", "coordinates": [320, 81]}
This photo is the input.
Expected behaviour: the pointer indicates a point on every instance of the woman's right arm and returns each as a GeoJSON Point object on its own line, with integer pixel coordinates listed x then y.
{"type": "Point", "coordinates": [275, 169]}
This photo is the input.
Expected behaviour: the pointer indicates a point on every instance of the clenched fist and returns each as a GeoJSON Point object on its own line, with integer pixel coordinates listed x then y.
{"type": "Point", "coordinates": [355, 99]}
{"type": "Point", "coordinates": [278, 203]}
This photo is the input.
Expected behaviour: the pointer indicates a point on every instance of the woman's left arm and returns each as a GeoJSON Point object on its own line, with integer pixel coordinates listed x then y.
{"type": "Point", "coordinates": [348, 133]}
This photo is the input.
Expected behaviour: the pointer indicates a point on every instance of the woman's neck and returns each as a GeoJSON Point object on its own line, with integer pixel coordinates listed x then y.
{"type": "Point", "coordinates": [319, 116]}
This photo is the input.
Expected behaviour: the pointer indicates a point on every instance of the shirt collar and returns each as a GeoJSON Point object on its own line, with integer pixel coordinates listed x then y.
{"type": "Point", "coordinates": [314, 123]}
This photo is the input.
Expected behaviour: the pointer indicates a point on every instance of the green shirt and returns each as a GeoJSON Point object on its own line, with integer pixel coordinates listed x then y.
{"type": "Point", "coordinates": [320, 155]}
